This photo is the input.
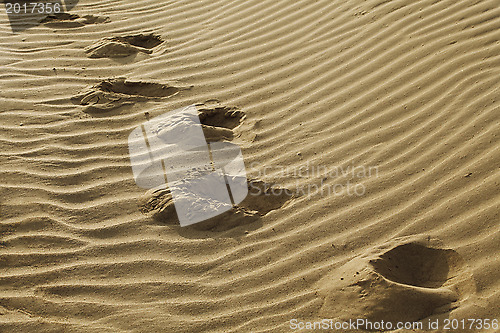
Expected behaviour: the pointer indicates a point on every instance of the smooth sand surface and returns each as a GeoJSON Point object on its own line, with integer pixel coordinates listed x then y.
{"type": "Point", "coordinates": [381, 118]}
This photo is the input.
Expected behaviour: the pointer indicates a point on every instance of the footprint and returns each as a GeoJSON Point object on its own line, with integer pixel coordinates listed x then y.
{"type": "Point", "coordinates": [218, 121]}
{"type": "Point", "coordinates": [409, 282]}
{"type": "Point", "coordinates": [214, 133]}
{"type": "Point", "coordinates": [417, 265]}
{"type": "Point", "coordinates": [136, 88]}
{"type": "Point", "coordinates": [67, 20]}
{"type": "Point", "coordinates": [159, 205]}
{"type": "Point", "coordinates": [114, 93]}
{"type": "Point", "coordinates": [264, 197]}
{"type": "Point", "coordinates": [212, 113]}
{"type": "Point", "coordinates": [117, 47]}
{"type": "Point", "coordinates": [43, 242]}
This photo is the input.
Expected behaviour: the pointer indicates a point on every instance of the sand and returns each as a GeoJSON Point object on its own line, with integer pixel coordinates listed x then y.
{"type": "Point", "coordinates": [369, 131]}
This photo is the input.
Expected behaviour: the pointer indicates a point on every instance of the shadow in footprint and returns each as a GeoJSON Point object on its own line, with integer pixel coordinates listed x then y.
{"type": "Point", "coordinates": [407, 283]}
{"type": "Point", "coordinates": [217, 122]}
{"type": "Point", "coordinates": [123, 46]}
{"type": "Point", "coordinates": [114, 93]}
{"type": "Point", "coordinates": [67, 20]}
{"type": "Point", "coordinates": [136, 88]}
{"type": "Point", "coordinates": [264, 197]}
{"type": "Point", "coordinates": [417, 265]}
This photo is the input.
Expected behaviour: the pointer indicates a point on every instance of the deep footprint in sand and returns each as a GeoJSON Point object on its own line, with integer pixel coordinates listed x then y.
{"type": "Point", "coordinates": [114, 93]}
{"type": "Point", "coordinates": [67, 20]}
{"type": "Point", "coordinates": [404, 281]}
{"type": "Point", "coordinates": [218, 121]}
{"type": "Point", "coordinates": [123, 46]}
{"type": "Point", "coordinates": [159, 204]}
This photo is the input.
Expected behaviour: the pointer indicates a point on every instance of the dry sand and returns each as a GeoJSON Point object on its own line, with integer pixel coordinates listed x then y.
{"type": "Point", "coordinates": [405, 92]}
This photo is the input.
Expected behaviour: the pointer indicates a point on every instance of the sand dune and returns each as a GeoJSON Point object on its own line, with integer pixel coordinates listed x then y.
{"type": "Point", "coordinates": [380, 117]}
